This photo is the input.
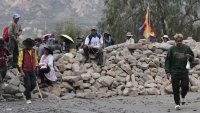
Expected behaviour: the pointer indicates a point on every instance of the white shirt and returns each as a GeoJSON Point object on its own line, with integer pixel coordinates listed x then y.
{"type": "Point", "coordinates": [95, 41]}
{"type": "Point", "coordinates": [130, 41]}
{"type": "Point", "coordinates": [48, 60]}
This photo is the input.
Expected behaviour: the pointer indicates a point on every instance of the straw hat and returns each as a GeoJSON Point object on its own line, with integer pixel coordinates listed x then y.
{"type": "Point", "coordinates": [165, 36]}
{"type": "Point", "coordinates": [129, 34]}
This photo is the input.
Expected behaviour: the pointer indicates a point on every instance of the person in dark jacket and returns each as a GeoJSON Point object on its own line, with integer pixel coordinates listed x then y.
{"type": "Point", "coordinates": [4, 55]}
{"type": "Point", "coordinates": [177, 58]}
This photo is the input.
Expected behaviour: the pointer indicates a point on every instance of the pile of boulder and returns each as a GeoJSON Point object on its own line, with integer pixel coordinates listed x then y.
{"type": "Point", "coordinates": [128, 70]}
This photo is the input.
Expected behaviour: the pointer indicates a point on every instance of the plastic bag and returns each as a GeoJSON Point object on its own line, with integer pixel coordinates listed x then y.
{"type": "Point", "coordinates": [188, 64]}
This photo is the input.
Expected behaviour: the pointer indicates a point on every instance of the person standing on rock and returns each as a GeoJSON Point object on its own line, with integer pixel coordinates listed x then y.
{"type": "Point", "coordinates": [14, 31]}
{"type": "Point", "coordinates": [94, 45]}
{"type": "Point", "coordinates": [175, 65]}
{"type": "Point", "coordinates": [4, 54]}
{"type": "Point", "coordinates": [129, 39]}
{"type": "Point", "coordinates": [40, 44]}
{"type": "Point", "coordinates": [27, 62]}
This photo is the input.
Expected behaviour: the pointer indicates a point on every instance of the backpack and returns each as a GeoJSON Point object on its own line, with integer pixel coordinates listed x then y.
{"type": "Point", "coordinates": [5, 33]}
{"type": "Point", "coordinates": [90, 37]}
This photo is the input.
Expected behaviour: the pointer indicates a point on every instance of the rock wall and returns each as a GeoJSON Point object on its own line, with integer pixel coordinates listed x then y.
{"type": "Point", "coordinates": [128, 70]}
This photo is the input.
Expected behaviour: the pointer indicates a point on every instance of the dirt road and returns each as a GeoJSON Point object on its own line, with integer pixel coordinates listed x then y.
{"type": "Point", "coordinates": [139, 104]}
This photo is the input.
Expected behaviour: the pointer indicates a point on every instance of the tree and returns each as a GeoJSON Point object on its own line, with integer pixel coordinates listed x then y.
{"type": "Point", "coordinates": [69, 28]}
{"type": "Point", "coordinates": [167, 17]}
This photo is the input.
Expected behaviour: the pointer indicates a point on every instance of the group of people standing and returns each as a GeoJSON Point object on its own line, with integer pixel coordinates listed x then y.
{"type": "Point", "coordinates": [30, 62]}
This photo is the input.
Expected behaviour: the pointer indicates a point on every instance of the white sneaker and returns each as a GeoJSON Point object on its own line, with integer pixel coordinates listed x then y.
{"type": "Point", "coordinates": [183, 101]}
{"type": "Point", "coordinates": [178, 107]}
{"type": "Point", "coordinates": [28, 101]}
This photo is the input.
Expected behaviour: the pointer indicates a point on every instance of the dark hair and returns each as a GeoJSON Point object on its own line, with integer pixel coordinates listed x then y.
{"type": "Point", "coordinates": [49, 50]}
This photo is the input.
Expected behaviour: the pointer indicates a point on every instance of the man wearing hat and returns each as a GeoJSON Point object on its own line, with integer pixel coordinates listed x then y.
{"type": "Point", "coordinates": [129, 39]}
{"type": "Point", "coordinates": [94, 45]}
{"type": "Point", "coordinates": [14, 31]}
{"type": "Point", "coordinates": [27, 63]}
{"type": "Point", "coordinates": [175, 65]}
{"type": "Point", "coordinates": [4, 54]}
{"type": "Point", "coordinates": [165, 38]}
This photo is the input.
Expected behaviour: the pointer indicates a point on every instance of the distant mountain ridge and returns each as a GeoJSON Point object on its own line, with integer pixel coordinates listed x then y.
{"type": "Point", "coordinates": [35, 13]}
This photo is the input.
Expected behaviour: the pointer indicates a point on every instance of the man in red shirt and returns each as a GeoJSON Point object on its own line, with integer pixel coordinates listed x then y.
{"type": "Point", "coordinates": [5, 54]}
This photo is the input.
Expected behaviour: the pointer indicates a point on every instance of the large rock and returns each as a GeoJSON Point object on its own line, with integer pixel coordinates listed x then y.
{"type": "Point", "coordinates": [106, 80]}
{"type": "Point", "coordinates": [111, 73]}
{"type": "Point", "coordinates": [56, 90]}
{"type": "Point", "coordinates": [153, 91]}
{"type": "Point", "coordinates": [14, 81]}
{"type": "Point", "coordinates": [143, 66]}
{"type": "Point", "coordinates": [86, 76]}
{"type": "Point", "coordinates": [95, 75]}
{"type": "Point", "coordinates": [194, 88]}
{"type": "Point", "coordinates": [86, 95]}
{"type": "Point", "coordinates": [130, 92]}
{"type": "Point", "coordinates": [194, 81]}
{"type": "Point", "coordinates": [68, 57]}
{"type": "Point", "coordinates": [135, 46]}
{"type": "Point", "coordinates": [77, 69]}
{"type": "Point", "coordinates": [21, 88]}
{"type": "Point", "coordinates": [68, 73]}
{"type": "Point", "coordinates": [71, 78]}
{"type": "Point", "coordinates": [79, 57]}
{"type": "Point", "coordinates": [11, 89]}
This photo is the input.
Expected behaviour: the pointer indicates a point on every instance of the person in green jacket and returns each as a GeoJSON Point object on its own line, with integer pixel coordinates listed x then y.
{"type": "Point", "coordinates": [175, 65]}
{"type": "Point", "coordinates": [14, 31]}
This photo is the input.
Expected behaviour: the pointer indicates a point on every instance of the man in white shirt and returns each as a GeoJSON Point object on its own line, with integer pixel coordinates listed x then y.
{"type": "Point", "coordinates": [129, 39]}
{"type": "Point", "coordinates": [94, 45]}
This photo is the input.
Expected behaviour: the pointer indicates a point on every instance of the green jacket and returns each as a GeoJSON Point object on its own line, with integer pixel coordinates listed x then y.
{"type": "Point", "coordinates": [14, 30]}
{"type": "Point", "coordinates": [176, 59]}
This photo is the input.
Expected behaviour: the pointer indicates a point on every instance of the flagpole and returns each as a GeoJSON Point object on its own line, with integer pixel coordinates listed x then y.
{"type": "Point", "coordinates": [148, 9]}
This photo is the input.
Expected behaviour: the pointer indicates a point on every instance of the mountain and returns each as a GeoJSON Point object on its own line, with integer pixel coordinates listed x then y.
{"type": "Point", "coordinates": [38, 13]}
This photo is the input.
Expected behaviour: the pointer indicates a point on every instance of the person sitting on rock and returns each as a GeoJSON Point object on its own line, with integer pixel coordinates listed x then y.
{"type": "Point", "coordinates": [129, 39]}
{"type": "Point", "coordinates": [80, 43]}
{"type": "Point", "coordinates": [165, 38]}
{"type": "Point", "coordinates": [94, 45]}
{"type": "Point", "coordinates": [4, 55]}
{"type": "Point", "coordinates": [28, 62]}
{"type": "Point", "coordinates": [46, 71]}
{"type": "Point", "coordinates": [108, 39]}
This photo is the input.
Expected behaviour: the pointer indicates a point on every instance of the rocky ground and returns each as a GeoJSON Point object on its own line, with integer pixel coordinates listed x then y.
{"type": "Point", "coordinates": [139, 104]}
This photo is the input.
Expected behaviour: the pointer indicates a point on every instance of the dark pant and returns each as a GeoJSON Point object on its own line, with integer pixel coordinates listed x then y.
{"type": "Point", "coordinates": [97, 52]}
{"type": "Point", "coordinates": [180, 81]}
{"type": "Point", "coordinates": [13, 48]}
{"type": "Point", "coordinates": [43, 77]}
{"type": "Point", "coordinates": [3, 71]}
{"type": "Point", "coordinates": [29, 83]}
